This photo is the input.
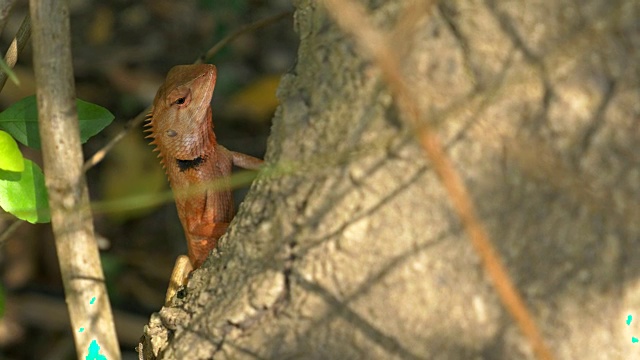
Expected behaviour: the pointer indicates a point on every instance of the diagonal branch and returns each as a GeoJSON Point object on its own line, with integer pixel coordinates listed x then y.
{"type": "Point", "coordinates": [353, 18]}
{"type": "Point", "coordinates": [18, 43]}
{"type": "Point", "coordinates": [243, 30]}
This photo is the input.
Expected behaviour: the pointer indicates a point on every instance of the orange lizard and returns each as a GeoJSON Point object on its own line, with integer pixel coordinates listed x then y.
{"type": "Point", "coordinates": [182, 131]}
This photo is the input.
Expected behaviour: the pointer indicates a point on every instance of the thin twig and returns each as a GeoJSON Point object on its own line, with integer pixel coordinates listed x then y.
{"type": "Point", "coordinates": [9, 231]}
{"type": "Point", "coordinates": [5, 10]}
{"type": "Point", "coordinates": [243, 30]}
{"type": "Point", "coordinates": [236, 180]}
{"type": "Point", "coordinates": [353, 18]}
{"type": "Point", "coordinates": [99, 156]}
{"type": "Point", "coordinates": [22, 38]}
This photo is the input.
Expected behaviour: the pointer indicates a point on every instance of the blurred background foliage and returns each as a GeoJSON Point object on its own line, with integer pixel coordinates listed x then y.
{"type": "Point", "coordinates": [122, 52]}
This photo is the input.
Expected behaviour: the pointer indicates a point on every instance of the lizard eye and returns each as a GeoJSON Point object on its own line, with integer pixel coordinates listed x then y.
{"type": "Point", "coordinates": [179, 97]}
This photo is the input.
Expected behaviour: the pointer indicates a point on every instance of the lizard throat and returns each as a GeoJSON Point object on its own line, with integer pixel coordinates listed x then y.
{"type": "Point", "coordinates": [185, 165]}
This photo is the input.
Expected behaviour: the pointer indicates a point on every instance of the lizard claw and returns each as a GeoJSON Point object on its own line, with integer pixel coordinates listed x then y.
{"type": "Point", "coordinates": [179, 277]}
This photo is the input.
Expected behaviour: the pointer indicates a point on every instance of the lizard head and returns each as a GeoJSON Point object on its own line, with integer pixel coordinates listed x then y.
{"type": "Point", "coordinates": [180, 122]}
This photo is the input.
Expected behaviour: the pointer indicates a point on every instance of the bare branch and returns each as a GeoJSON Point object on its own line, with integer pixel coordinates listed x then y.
{"type": "Point", "coordinates": [18, 43]}
{"type": "Point", "coordinates": [71, 219]}
{"type": "Point", "coordinates": [100, 154]}
{"type": "Point", "coordinates": [243, 30]}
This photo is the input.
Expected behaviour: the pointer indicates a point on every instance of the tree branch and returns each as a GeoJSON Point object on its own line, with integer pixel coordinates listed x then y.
{"type": "Point", "coordinates": [82, 276]}
{"type": "Point", "coordinates": [18, 43]}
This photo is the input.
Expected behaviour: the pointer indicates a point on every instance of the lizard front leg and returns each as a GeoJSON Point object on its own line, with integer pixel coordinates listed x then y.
{"type": "Point", "coordinates": [246, 161]}
{"type": "Point", "coordinates": [179, 277]}
{"type": "Point", "coordinates": [200, 241]}
{"type": "Point", "coordinates": [240, 160]}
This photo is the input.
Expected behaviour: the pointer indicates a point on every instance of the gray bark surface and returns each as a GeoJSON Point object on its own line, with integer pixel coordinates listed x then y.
{"type": "Point", "coordinates": [71, 218]}
{"type": "Point", "coordinates": [351, 250]}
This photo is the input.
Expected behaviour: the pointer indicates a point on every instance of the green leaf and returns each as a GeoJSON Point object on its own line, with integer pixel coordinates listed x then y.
{"type": "Point", "coordinates": [10, 155]}
{"type": "Point", "coordinates": [21, 120]}
{"type": "Point", "coordinates": [7, 70]}
{"type": "Point", "coordinates": [24, 194]}
{"type": "Point", "coordinates": [93, 118]}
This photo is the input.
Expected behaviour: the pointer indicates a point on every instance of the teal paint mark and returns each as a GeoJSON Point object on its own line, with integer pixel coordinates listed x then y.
{"type": "Point", "coordinates": [94, 352]}
{"type": "Point", "coordinates": [94, 348]}
{"type": "Point", "coordinates": [93, 299]}
{"type": "Point", "coordinates": [633, 338]}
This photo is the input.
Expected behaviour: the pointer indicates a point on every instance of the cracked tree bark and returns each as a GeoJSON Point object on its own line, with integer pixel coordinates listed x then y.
{"type": "Point", "coordinates": [350, 249]}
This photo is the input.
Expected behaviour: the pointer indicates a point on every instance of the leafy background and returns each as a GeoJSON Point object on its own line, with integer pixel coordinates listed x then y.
{"type": "Point", "coordinates": [122, 51]}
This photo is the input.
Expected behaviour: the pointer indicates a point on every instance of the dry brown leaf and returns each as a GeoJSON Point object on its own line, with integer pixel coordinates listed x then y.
{"type": "Point", "coordinates": [256, 102]}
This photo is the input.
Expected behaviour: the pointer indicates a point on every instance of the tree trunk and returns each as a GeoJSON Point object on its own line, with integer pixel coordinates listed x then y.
{"type": "Point", "coordinates": [347, 247]}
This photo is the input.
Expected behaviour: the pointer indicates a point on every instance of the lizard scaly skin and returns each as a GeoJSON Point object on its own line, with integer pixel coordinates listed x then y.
{"type": "Point", "coordinates": [196, 165]}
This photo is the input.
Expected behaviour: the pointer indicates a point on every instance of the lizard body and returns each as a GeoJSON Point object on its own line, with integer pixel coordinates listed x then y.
{"type": "Point", "coordinates": [181, 127]}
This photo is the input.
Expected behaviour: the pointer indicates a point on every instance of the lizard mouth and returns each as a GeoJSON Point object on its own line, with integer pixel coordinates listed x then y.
{"type": "Point", "coordinates": [185, 165]}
